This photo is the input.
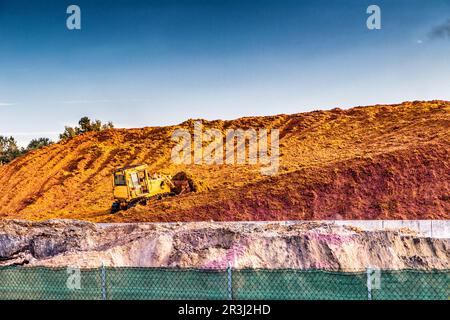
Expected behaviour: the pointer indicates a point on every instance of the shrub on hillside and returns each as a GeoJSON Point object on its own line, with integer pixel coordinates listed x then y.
{"type": "Point", "coordinates": [85, 125]}
{"type": "Point", "coordinates": [38, 143]}
{"type": "Point", "coordinates": [8, 149]}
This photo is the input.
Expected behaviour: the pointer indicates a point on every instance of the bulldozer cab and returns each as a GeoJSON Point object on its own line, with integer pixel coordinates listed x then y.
{"type": "Point", "coordinates": [133, 184]}
{"type": "Point", "coordinates": [130, 182]}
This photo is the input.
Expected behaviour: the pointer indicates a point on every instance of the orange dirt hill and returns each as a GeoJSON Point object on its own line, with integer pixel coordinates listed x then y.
{"type": "Point", "coordinates": [378, 162]}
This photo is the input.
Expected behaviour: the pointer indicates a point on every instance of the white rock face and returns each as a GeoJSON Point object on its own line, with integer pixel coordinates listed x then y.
{"type": "Point", "coordinates": [302, 245]}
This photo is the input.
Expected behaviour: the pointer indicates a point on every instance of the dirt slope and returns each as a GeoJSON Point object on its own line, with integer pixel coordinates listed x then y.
{"type": "Point", "coordinates": [379, 162]}
{"type": "Point", "coordinates": [308, 245]}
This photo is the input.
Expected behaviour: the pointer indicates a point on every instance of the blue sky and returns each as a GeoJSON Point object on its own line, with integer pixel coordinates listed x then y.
{"type": "Point", "coordinates": [145, 63]}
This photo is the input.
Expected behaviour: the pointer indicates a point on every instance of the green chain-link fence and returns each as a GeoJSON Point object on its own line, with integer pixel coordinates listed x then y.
{"type": "Point", "coordinates": [174, 283]}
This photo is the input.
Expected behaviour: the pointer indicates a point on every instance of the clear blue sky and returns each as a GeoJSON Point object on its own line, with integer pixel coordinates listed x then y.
{"type": "Point", "coordinates": [142, 63]}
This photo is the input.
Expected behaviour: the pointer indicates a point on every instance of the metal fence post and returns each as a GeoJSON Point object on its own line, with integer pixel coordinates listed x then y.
{"type": "Point", "coordinates": [369, 283]}
{"type": "Point", "coordinates": [230, 283]}
{"type": "Point", "coordinates": [103, 282]}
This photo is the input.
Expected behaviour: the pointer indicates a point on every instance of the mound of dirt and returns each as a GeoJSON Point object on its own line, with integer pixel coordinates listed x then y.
{"type": "Point", "coordinates": [195, 184]}
{"type": "Point", "coordinates": [308, 245]}
{"type": "Point", "coordinates": [379, 162]}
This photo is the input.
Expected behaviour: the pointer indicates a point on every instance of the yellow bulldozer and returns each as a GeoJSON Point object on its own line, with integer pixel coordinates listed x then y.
{"type": "Point", "coordinates": [134, 184]}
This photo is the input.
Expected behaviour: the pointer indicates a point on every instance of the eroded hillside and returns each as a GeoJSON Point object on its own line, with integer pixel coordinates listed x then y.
{"type": "Point", "coordinates": [379, 162]}
{"type": "Point", "coordinates": [206, 245]}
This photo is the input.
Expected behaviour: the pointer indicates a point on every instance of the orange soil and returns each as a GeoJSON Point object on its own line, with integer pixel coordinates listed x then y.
{"type": "Point", "coordinates": [379, 162]}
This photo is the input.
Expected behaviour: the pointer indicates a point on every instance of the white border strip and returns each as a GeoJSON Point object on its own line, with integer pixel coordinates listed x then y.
{"type": "Point", "coordinates": [427, 228]}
